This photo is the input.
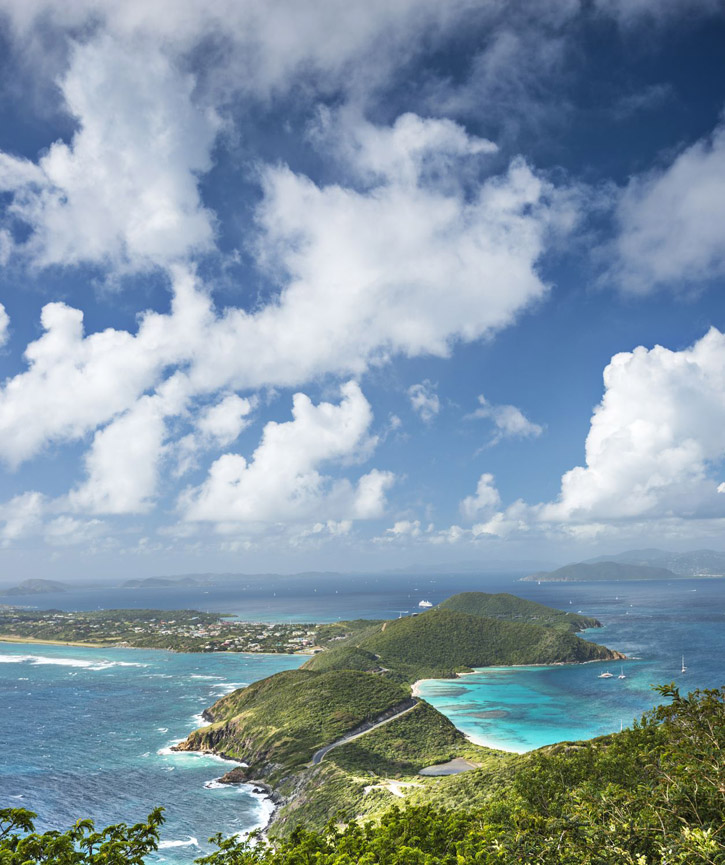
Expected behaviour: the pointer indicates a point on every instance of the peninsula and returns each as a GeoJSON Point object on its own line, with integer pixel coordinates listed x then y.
{"type": "Point", "coordinates": [344, 733]}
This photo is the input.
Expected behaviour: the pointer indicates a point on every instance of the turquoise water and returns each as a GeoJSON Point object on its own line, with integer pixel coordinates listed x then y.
{"type": "Point", "coordinates": [87, 731]}
{"type": "Point", "coordinates": [654, 624]}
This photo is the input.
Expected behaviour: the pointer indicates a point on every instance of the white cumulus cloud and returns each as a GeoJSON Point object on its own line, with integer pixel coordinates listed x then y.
{"type": "Point", "coordinates": [368, 272]}
{"type": "Point", "coordinates": [508, 421]}
{"type": "Point", "coordinates": [485, 501]}
{"type": "Point", "coordinates": [4, 326]}
{"type": "Point", "coordinates": [654, 452]}
{"type": "Point", "coordinates": [283, 482]}
{"type": "Point", "coordinates": [123, 463]}
{"type": "Point", "coordinates": [124, 191]}
{"type": "Point", "coordinates": [670, 221]}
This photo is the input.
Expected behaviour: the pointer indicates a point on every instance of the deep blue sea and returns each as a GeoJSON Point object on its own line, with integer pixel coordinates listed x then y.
{"type": "Point", "coordinates": [87, 730]}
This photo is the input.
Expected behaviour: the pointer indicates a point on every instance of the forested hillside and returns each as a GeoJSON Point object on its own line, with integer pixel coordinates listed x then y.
{"type": "Point", "coordinates": [442, 642]}
{"type": "Point", "coordinates": [651, 795]}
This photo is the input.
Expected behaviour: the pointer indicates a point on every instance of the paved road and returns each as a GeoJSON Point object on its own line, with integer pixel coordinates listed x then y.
{"type": "Point", "coordinates": [405, 707]}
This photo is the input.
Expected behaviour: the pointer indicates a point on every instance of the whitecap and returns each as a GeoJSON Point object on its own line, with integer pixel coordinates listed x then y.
{"type": "Point", "coordinates": [190, 842]}
{"type": "Point", "coordinates": [38, 660]}
{"type": "Point", "coordinates": [205, 755]}
{"type": "Point", "coordinates": [228, 687]}
{"type": "Point", "coordinates": [199, 676]}
{"type": "Point", "coordinates": [162, 729]}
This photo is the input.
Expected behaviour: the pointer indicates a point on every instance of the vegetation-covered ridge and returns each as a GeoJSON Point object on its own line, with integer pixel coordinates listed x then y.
{"type": "Point", "coordinates": [512, 608]}
{"type": "Point", "coordinates": [442, 643]}
{"type": "Point", "coordinates": [275, 725]}
{"type": "Point", "coordinates": [650, 795]}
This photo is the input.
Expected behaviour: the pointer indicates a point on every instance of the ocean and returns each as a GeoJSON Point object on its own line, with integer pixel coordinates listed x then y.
{"type": "Point", "coordinates": [87, 734]}
{"type": "Point", "coordinates": [88, 730]}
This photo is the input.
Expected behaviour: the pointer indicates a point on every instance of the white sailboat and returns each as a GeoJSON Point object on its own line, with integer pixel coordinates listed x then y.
{"type": "Point", "coordinates": [684, 668]}
{"type": "Point", "coordinates": [621, 675]}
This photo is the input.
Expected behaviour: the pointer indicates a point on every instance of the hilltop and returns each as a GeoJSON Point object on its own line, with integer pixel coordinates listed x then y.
{"type": "Point", "coordinates": [515, 609]}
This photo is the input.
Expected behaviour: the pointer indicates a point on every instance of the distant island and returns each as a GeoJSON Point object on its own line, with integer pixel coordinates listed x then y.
{"type": "Point", "coordinates": [582, 572]}
{"type": "Point", "coordinates": [349, 721]}
{"type": "Point", "coordinates": [650, 564]}
{"type": "Point", "coordinates": [36, 587]}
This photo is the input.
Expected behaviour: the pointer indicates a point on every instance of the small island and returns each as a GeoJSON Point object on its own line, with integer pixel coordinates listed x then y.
{"type": "Point", "coordinates": [585, 572]}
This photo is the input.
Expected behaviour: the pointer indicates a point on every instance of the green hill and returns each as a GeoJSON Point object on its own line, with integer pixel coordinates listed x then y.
{"type": "Point", "coordinates": [650, 795]}
{"type": "Point", "coordinates": [513, 609]}
{"type": "Point", "coordinates": [441, 643]}
{"type": "Point", "coordinates": [276, 724]}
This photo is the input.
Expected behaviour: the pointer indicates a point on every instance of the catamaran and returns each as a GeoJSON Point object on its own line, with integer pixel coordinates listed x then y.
{"type": "Point", "coordinates": [621, 675]}
{"type": "Point", "coordinates": [684, 668]}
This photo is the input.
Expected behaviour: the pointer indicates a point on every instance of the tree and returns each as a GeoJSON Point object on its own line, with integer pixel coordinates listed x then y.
{"type": "Point", "coordinates": [80, 845]}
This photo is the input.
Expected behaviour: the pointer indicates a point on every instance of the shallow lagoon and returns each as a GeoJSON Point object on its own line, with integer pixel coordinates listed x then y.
{"type": "Point", "coordinates": [654, 624]}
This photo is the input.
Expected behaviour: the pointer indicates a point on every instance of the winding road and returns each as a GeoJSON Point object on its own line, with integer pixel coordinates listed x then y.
{"type": "Point", "coordinates": [401, 709]}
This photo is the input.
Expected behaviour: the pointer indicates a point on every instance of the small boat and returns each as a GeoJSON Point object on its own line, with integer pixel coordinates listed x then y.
{"type": "Point", "coordinates": [621, 675]}
{"type": "Point", "coordinates": [424, 604]}
{"type": "Point", "coordinates": [684, 668]}
{"type": "Point", "coordinates": [606, 675]}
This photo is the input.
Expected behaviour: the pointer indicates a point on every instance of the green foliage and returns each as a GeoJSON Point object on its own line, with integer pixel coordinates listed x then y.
{"type": "Point", "coordinates": [420, 738]}
{"type": "Point", "coordinates": [652, 795]}
{"type": "Point", "coordinates": [81, 845]}
{"type": "Point", "coordinates": [440, 643]}
{"type": "Point", "coordinates": [330, 633]}
{"type": "Point", "coordinates": [276, 724]}
{"type": "Point", "coordinates": [343, 658]}
{"type": "Point", "coordinates": [514, 609]}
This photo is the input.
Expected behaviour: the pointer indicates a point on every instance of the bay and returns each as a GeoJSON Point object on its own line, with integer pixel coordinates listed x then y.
{"type": "Point", "coordinates": [654, 623]}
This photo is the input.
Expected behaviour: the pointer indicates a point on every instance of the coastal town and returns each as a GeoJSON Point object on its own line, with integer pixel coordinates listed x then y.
{"type": "Point", "coordinates": [177, 630]}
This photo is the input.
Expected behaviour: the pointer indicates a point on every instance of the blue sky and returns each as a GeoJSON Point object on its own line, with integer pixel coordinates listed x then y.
{"type": "Point", "coordinates": [303, 284]}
